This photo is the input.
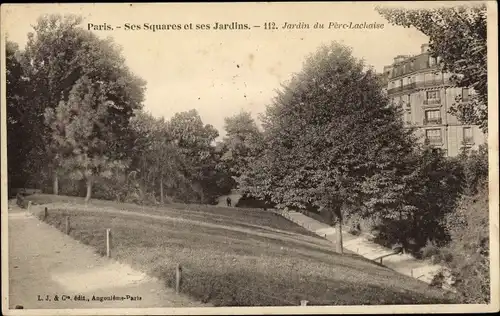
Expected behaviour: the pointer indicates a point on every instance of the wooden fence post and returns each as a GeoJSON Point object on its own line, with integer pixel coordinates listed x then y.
{"type": "Point", "coordinates": [45, 214]}
{"type": "Point", "coordinates": [29, 205]}
{"type": "Point", "coordinates": [411, 272]}
{"type": "Point", "coordinates": [303, 302]}
{"type": "Point", "coordinates": [108, 242]}
{"type": "Point", "coordinates": [178, 277]}
{"type": "Point", "coordinates": [67, 225]}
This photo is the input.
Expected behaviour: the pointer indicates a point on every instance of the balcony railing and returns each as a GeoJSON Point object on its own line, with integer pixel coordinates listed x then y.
{"type": "Point", "coordinates": [433, 121]}
{"type": "Point", "coordinates": [415, 85]}
{"type": "Point", "coordinates": [432, 102]}
{"type": "Point", "coordinates": [394, 90]}
{"type": "Point", "coordinates": [434, 82]}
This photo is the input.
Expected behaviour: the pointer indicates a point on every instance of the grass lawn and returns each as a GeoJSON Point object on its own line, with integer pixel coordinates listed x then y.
{"type": "Point", "coordinates": [235, 257]}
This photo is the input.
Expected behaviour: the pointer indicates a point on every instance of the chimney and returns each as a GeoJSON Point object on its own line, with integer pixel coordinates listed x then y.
{"type": "Point", "coordinates": [399, 58]}
{"type": "Point", "coordinates": [424, 48]}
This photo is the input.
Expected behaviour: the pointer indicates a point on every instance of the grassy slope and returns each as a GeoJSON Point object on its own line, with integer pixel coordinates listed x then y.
{"type": "Point", "coordinates": [228, 261]}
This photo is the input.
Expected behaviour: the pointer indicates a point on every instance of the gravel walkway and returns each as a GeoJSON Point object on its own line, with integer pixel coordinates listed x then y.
{"type": "Point", "coordinates": [45, 263]}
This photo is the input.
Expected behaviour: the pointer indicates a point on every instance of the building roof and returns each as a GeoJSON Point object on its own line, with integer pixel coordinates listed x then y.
{"type": "Point", "coordinates": [406, 64]}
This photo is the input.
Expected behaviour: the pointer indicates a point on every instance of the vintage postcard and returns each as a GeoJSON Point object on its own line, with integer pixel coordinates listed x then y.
{"type": "Point", "coordinates": [249, 158]}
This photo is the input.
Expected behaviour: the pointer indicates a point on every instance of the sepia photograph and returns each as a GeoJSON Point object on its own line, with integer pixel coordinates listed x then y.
{"type": "Point", "coordinates": [249, 158]}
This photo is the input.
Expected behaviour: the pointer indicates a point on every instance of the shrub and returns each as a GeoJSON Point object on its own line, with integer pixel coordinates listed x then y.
{"type": "Point", "coordinates": [468, 227]}
{"type": "Point", "coordinates": [251, 202]}
{"type": "Point", "coordinates": [431, 250]}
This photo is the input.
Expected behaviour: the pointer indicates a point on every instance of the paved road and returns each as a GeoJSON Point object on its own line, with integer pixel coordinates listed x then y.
{"type": "Point", "coordinates": [44, 262]}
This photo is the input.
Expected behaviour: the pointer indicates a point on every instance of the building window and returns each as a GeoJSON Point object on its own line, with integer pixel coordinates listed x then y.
{"type": "Point", "coordinates": [432, 98]}
{"type": "Point", "coordinates": [432, 61]}
{"type": "Point", "coordinates": [433, 95]}
{"type": "Point", "coordinates": [432, 117]}
{"type": "Point", "coordinates": [433, 136]}
{"type": "Point", "coordinates": [401, 82]}
{"type": "Point", "coordinates": [467, 135]}
{"type": "Point", "coordinates": [465, 94]}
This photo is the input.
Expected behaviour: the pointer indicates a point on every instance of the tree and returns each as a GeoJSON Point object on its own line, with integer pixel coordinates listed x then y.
{"type": "Point", "coordinates": [81, 134]}
{"type": "Point", "coordinates": [331, 140]}
{"type": "Point", "coordinates": [458, 36]}
{"type": "Point", "coordinates": [428, 188]}
{"type": "Point", "coordinates": [201, 160]}
{"type": "Point", "coordinates": [156, 157]}
{"type": "Point", "coordinates": [19, 119]}
{"type": "Point", "coordinates": [58, 54]}
{"type": "Point", "coordinates": [242, 142]}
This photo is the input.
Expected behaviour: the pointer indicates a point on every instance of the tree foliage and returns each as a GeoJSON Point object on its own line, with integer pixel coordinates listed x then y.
{"type": "Point", "coordinates": [468, 227]}
{"type": "Point", "coordinates": [176, 160]}
{"type": "Point", "coordinates": [331, 140]}
{"type": "Point", "coordinates": [429, 191]}
{"type": "Point", "coordinates": [242, 142]}
{"type": "Point", "coordinates": [57, 55]}
{"type": "Point", "coordinates": [196, 143]}
{"type": "Point", "coordinates": [19, 119]}
{"type": "Point", "coordinates": [457, 35]}
{"type": "Point", "coordinates": [157, 161]}
{"type": "Point", "coordinates": [82, 135]}
{"type": "Point", "coordinates": [474, 166]}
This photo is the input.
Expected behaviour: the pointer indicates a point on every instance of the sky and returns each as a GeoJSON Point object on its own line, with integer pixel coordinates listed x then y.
{"type": "Point", "coordinates": [222, 72]}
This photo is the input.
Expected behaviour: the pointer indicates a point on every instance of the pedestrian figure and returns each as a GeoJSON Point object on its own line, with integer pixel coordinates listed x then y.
{"type": "Point", "coordinates": [228, 201]}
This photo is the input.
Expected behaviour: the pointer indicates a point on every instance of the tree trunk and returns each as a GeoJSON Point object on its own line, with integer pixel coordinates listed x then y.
{"type": "Point", "coordinates": [340, 248]}
{"type": "Point", "coordinates": [56, 184]}
{"type": "Point", "coordinates": [161, 190]}
{"type": "Point", "coordinates": [89, 190]}
{"type": "Point", "coordinates": [339, 244]}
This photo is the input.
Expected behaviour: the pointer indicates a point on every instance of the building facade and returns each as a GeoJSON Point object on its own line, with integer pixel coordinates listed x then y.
{"type": "Point", "coordinates": [425, 93]}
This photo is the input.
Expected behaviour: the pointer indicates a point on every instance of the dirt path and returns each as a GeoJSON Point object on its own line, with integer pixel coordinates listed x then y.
{"type": "Point", "coordinates": [44, 262]}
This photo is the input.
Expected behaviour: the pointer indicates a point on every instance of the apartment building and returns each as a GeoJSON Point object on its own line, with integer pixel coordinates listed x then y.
{"type": "Point", "coordinates": [425, 93]}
